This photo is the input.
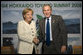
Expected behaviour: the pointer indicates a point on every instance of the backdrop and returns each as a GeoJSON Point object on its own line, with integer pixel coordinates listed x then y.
{"type": "Point", "coordinates": [71, 11]}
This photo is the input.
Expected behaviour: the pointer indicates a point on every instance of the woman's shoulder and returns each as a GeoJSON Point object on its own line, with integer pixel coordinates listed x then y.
{"type": "Point", "coordinates": [33, 21]}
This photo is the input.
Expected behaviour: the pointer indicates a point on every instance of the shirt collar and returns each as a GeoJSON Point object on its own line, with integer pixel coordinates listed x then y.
{"type": "Point", "coordinates": [49, 18]}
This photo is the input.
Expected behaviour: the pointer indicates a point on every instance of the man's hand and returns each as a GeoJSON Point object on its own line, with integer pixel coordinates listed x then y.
{"type": "Point", "coordinates": [63, 49]}
{"type": "Point", "coordinates": [36, 40]}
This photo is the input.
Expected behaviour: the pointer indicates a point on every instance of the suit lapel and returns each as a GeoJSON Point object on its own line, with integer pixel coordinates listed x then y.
{"type": "Point", "coordinates": [52, 25]}
{"type": "Point", "coordinates": [52, 22]}
{"type": "Point", "coordinates": [44, 25]}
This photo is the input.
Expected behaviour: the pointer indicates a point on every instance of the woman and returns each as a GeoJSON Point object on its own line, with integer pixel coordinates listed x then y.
{"type": "Point", "coordinates": [27, 33]}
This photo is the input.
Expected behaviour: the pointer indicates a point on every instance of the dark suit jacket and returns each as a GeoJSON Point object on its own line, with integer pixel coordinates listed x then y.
{"type": "Point", "coordinates": [59, 33]}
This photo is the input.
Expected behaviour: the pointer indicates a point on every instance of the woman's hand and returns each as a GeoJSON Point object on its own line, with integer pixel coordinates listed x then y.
{"type": "Point", "coordinates": [36, 40]}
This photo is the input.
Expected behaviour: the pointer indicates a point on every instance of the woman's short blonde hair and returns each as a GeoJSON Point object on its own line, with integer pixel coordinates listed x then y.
{"type": "Point", "coordinates": [26, 10]}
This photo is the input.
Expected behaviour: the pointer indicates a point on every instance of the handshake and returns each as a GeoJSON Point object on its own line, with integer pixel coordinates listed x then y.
{"type": "Point", "coordinates": [35, 40]}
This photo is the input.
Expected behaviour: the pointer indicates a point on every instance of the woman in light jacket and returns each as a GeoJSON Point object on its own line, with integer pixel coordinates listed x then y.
{"type": "Point", "coordinates": [27, 33]}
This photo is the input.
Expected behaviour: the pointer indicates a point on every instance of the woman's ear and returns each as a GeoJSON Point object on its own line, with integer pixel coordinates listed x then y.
{"type": "Point", "coordinates": [24, 16]}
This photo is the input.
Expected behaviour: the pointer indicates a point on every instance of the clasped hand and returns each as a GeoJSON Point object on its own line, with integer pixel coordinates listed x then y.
{"type": "Point", "coordinates": [36, 40]}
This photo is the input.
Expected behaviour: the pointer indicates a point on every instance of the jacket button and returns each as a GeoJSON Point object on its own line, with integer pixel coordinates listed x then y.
{"type": "Point", "coordinates": [32, 35]}
{"type": "Point", "coordinates": [31, 28]}
{"type": "Point", "coordinates": [32, 31]}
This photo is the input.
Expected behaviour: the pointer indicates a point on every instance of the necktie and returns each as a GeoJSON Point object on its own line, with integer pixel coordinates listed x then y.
{"type": "Point", "coordinates": [47, 33]}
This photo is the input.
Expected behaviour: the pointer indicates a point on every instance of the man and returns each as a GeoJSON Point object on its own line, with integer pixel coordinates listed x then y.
{"type": "Point", "coordinates": [52, 32]}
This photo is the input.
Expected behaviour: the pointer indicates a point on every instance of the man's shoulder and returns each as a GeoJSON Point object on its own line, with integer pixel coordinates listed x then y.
{"type": "Point", "coordinates": [42, 20]}
{"type": "Point", "coordinates": [58, 16]}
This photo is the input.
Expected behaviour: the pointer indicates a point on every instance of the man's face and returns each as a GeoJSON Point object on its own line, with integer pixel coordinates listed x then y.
{"type": "Point", "coordinates": [47, 11]}
{"type": "Point", "coordinates": [28, 16]}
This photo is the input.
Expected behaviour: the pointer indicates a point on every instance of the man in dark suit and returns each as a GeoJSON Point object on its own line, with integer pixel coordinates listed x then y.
{"type": "Point", "coordinates": [52, 32]}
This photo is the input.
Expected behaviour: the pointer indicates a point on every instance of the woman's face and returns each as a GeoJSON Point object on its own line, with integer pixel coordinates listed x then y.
{"type": "Point", "coordinates": [28, 16]}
